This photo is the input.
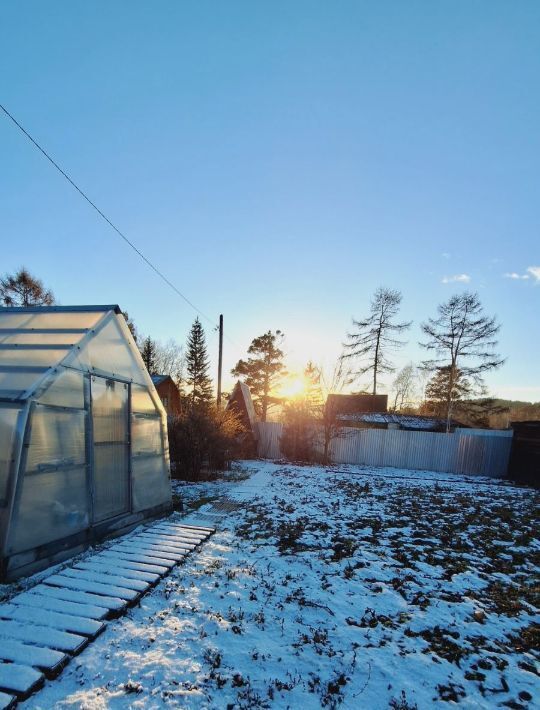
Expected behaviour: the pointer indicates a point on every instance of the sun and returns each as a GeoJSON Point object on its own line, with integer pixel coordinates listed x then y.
{"type": "Point", "coordinates": [293, 387]}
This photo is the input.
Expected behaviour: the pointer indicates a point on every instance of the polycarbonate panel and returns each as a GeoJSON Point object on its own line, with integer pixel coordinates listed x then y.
{"type": "Point", "coordinates": [29, 337]}
{"type": "Point", "coordinates": [8, 423]}
{"type": "Point", "coordinates": [21, 356]}
{"type": "Point", "coordinates": [49, 319]}
{"type": "Point", "coordinates": [110, 400]}
{"type": "Point", "coordinates": [111, 481]}
{"type": "Point", "coordinates": [151, 484]}
{"type": "Point", "coordinates": [109, 352]}
{"type": "Point", "coordinates": [14, 384]}
{"type": "Point", "coordinates": [65, 390]}
{"type": "Point", "coordinates": [146, 435]}
{"type": "Point", "coordinates": [53, 505]}
{"type": "Point", "coordinates": [141, 400]}
{"type": "Point", "coordinates": [109, 409]}
{"type": "Point", "coordinates": [57, 438]}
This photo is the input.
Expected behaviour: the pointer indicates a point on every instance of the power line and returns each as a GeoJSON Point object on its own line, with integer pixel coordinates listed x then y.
{"type": "Point", "coordinates": [101, 214]}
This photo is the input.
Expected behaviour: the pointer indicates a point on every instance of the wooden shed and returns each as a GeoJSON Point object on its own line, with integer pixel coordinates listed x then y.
{"type": "Point", "coordinates": [241, 404]}
{"type": "Point", "coordinates": [525, 455]}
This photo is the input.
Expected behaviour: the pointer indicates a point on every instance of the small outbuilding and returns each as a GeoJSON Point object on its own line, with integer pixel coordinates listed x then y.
{"type": "Point", "coordinates": [241, 404]}
{"type": "Point", "coordinates": [525, 456]}
{"type": "Point", "coordinates": [83, 434]}
{"type": "Point", "coordinates": [168, 392]}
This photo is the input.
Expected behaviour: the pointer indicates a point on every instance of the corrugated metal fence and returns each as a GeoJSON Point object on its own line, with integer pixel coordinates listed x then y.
{"type": "Point", "coordinates": [421, 450]}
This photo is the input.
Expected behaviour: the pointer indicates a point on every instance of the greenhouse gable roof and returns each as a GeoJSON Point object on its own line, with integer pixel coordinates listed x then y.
{"type": "Point", "coordinates": [34, 341]}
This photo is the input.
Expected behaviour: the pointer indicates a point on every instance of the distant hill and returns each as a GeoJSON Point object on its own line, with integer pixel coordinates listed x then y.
{"type": "Point", "coordinates": [496, 413]}
{"type": "Point", "coordinates": [517, 411]}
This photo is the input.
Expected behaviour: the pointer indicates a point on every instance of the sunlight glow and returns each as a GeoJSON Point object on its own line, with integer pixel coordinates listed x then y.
{"type": "Point", "coordinates": [293, 387]}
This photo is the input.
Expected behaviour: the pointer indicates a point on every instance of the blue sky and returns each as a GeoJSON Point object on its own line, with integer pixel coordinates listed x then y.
{"type": "Point", "coordinates": [279, 161]}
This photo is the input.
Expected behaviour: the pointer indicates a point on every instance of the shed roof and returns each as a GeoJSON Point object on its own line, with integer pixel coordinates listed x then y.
{"type": "Point", "coordinates": [241, 395]}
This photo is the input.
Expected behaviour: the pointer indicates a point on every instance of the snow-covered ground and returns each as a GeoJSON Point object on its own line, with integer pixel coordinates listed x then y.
{"type": "Point", "coordinates": [369, 588]}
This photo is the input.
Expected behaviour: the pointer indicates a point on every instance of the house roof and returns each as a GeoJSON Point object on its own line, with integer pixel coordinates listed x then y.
{"type": "Point", "coordinates": [357, 403]}
{"type": "Point", "coordinates": [242, 391]}
{"type": "Point", "coordinates": [158, 379]}
{"type": "Point", "coordinates": [406, 421]}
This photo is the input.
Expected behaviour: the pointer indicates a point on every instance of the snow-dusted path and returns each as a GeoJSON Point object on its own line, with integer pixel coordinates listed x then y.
{"type": "Point", "coordinates": [41, 628]}
{"type": "Point", "coordinates": [365, 589]}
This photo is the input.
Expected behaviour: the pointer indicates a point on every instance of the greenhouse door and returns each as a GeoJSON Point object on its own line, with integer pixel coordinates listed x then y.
{"type": "Point", "coordinates": [110, 418]}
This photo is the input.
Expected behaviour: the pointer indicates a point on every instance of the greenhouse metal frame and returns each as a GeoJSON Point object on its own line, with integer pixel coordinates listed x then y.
{"type": "Point", "coordinates": [83, 434]}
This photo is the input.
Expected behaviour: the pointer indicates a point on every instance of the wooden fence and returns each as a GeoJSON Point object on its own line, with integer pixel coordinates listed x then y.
{"type": "Point", "coordinates": [417, 450]}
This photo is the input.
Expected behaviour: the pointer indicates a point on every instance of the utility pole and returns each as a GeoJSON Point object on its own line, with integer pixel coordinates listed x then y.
{"type": "Point", "coordinates": [220, 361]}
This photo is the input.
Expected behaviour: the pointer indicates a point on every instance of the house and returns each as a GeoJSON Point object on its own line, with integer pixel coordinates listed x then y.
{"type": "Point", "coordinates": [83, 434]}
{"type": "Point", "coordinates": [355, 403]}
{"type": "Point", "coordinates": [169, 394]}
{"type": "Point", "coordinates": [390, 420]}
{"type": "Point", "coordinates": [241, 404]}
{"type": "Point", "coordinates": [368, 411]}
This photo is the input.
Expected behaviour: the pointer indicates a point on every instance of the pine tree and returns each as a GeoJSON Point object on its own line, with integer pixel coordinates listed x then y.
{"type": "Point", "coordinates": [23, 289]}
{"type": "Point", "coordinates": [442, 384]}
{"type": "Point", "coordinates": [148, 353]}
{"type": "Point", "coordinates": [468, 409]}
{"type": "Point", "coordinates": [374, 336]}
{"type": "Point", "coordinates": [262, 371]}
{"type": "Point", "coordinates": [199, 384]}
{"type": "Point", "coordinates": [132, 327]}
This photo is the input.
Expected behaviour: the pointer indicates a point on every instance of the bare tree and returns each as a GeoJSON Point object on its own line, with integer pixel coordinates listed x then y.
{"type": "Point", "coordinates": [170, 360]}
{"type": "Point", "coordinates": [462, 340]}
{"type": "Point", "coordinates": [333, 382]}
{"type": "Point", "coordinates": [375, 336]}
{"type": "Point", "coordinates": [23, 289]}
{"type": "Point", "coordinates": [404, 387]}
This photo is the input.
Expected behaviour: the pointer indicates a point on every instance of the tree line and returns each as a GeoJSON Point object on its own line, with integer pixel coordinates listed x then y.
{"type": "Point", "coordinates": [460, 342]}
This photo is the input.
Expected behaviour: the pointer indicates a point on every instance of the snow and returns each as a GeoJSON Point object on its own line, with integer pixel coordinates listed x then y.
{"type": "Point", "coordinates": [128, 561]}
{"type": "Point", "coordinates": [151, 549]}
{"type": "Point", "coordinates": [80, 597]}
{"type": "Point", "coordinates": [42, 635]}
{"type": "Point", "coordinates": [80, 583]}
{"type": "Point", "coordinates": [6, 701]}
{"type": "Point", "coordinates": [109, 578]}
{"type": "Point", "coordinates": [103, 567]}
{"type": "Point", "coordinates": [364, 587]}
{"type": "Point", "coordinates": [61, 621]}
{"type": "Point", "coordinates": [39, 601]}
{"type": "Point", "coordinates": [403, 420]}
{"type": "Point", "coordinates": [31, 655]}
{"type": "Point", "coordinates": [19, 678]}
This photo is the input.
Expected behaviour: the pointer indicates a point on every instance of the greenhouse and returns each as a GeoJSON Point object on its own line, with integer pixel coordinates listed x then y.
{"type": "Point", "coordinates": [83, 435]}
